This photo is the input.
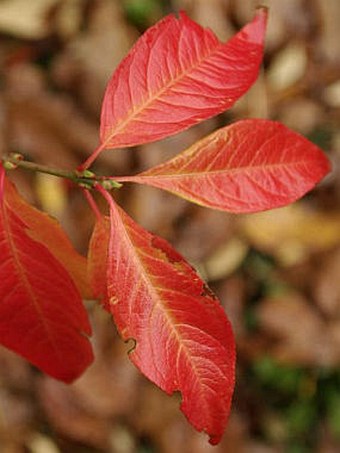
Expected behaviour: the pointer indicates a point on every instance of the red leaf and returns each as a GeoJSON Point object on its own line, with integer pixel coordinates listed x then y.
{"type": "Point", "coordinates": [48, 231]}
{"type": "Point", "coordinates": [183, 339]}
{"type": "Point", "coordinates": [41, 313]}
{"type": "Point", "coordinates": [177, 75]}
{"type": "Point", "coordinates": [249, 166]}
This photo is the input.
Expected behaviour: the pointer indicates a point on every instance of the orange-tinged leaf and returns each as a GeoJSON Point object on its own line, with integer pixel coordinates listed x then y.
{"type": "Point", "coordinates": [41, 313]}
{"type": "Point", "coordinates": [249, 166]}
{"type": "Point", "coordinates": [184, 341]}
{"type": "Point", "coordinates": [97, 259]}
{"type": "Point", "coordinates": [43, 228]}
{"type": "Point", "coordinates": [176, 75]}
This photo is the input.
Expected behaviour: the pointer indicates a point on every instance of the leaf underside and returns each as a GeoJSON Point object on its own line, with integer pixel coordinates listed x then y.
{"type": "Point", "coordinates": [41, 313]}
{"type": "Point", "coordinates": [184, 341]}
{"type": "Point", "coordinates": [252, 165]}
{"type": "Point", "coordinates": [176, 75]}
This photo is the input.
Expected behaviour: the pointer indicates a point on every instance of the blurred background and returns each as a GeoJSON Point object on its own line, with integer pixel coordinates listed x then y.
{"type": "Point", "coordinates": [277, 273]}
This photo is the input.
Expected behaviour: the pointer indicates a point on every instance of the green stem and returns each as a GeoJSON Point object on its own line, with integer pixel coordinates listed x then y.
{"type": "Point", "coordinates": [16, 160]}
{"type": "Point", "coordinates": [83, 178]}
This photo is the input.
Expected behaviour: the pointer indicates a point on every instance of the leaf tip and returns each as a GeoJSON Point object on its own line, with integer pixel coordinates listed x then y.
{"type": "Point", "coordinates": [214, 440]}
{"type": "Point", "coordinates": [70, 375]}
{"type": "Point", "coordinates": [326, 165]}
{"type": "Point", "coordinates": [255, 30]}
{"type": "Point", "coordinates": [183, 15]}
{"type": "Point", "coordinates": [262, 11]}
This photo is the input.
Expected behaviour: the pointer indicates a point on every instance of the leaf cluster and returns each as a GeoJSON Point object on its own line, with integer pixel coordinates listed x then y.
{"type": "Point", "coordinates": [177, 75]}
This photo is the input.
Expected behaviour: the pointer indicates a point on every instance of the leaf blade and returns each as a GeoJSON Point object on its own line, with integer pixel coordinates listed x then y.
{"type": "Point", "coordinates": [250, 166]}
{"type": "Point", "coordinates": [180, 65]}
{"type": "Point", "coordinates": [183, 339]}
{"type": "Point", "coordinates": [33, 321]}
{"type": "Point", "coordinates": [45, 229]}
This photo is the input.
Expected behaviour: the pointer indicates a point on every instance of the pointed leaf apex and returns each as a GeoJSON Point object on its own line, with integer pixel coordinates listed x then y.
{"type": "Point", "coordinates": [254, 31]}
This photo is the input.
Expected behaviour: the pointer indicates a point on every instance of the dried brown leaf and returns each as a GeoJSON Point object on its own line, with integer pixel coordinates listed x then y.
{"type": "Point", "coordinates": [293, 233]}
{"type": "Point", "coordinates": [25, 19]}
{"type": "Point", "coordinates": [327, 286]}
{"type": "Point", "coordinates": [302, 336]}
